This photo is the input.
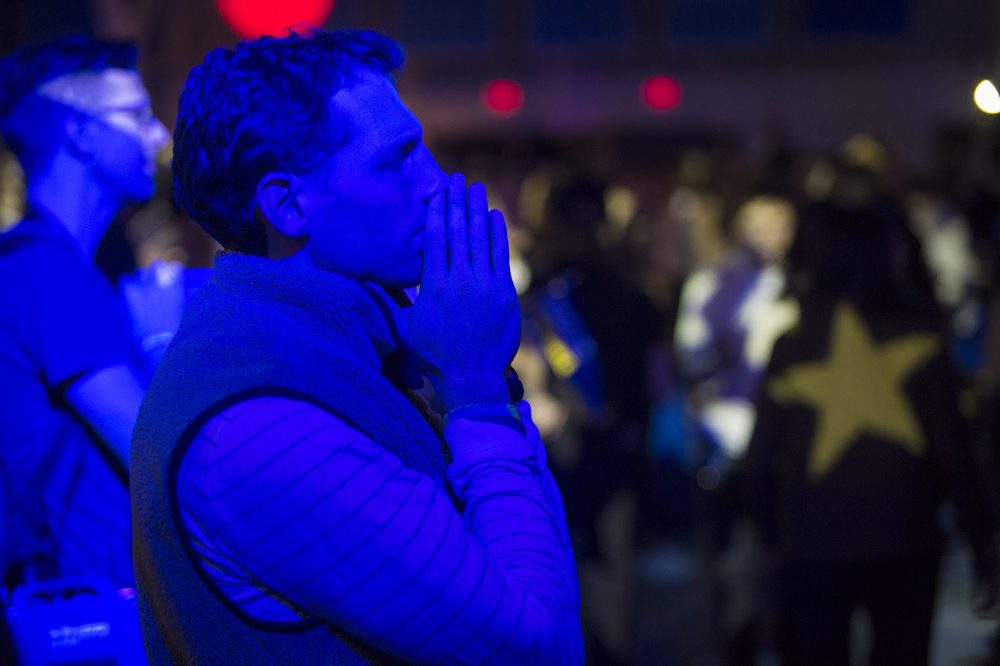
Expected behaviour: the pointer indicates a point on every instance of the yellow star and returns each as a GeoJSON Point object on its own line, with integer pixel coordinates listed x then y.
{"type": "Point", "coordinates": [857, 388]}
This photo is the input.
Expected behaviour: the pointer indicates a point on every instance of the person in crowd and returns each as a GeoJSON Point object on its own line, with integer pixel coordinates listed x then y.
{"type": "Point", "coordinates": [77, 116]}
{"type": "Point", "coordinates": [296, 497]}
{"type": "Point", "coordinates": [858, 439]}
{"type": "Point", "coordinates": [594, 332]}
{"type": "Point", "coordinates": [730, 315]}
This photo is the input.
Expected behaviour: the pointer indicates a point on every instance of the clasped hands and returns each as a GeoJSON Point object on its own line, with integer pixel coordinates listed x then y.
{"type": "Point", "coordinates": [464, 327]}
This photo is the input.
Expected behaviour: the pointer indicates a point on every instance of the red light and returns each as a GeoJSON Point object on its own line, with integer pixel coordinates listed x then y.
{"type": "Point", "coordinates": [503, 97]}
{"type": "Point", "coordinates": [660, 93]}
{"type": "Point", "coordinates": [252, 18]}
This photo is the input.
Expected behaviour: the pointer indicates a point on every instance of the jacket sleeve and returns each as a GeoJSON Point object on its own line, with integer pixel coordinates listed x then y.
{"type": "Point", "coordinates": [292, 509]}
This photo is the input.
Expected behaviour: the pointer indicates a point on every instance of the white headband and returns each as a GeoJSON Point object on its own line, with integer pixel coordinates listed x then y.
{"type": "Point", "coordinates": [88, 92]}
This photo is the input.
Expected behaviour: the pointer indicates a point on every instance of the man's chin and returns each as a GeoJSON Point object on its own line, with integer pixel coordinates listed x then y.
{"type": "Point", "coordinates": [400, 283]}
{"type": "Point", "coordinates": [406, 277]}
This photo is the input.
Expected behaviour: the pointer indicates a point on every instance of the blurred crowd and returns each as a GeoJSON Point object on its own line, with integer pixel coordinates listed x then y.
{"type": "Point", "coordinates": [783, 363]}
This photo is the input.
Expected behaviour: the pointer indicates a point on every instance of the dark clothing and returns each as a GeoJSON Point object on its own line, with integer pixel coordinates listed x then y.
{"type": "Point", "coordinates": [898, 593]}
{"type": "Point", "coordinates": [880, 500]}
{"type": "Point", "coordinates": [624, 327]}
{"type": "Point", "coordinates": [65, 508]}
{"type": "Point", "coordinates": [594, 332]}
{"type": "Point", "coordinates": [258, 327]}
{"type": "Point", "coordinates": [607, 329]}
{"type": "Point", "coordinates": [858, 440]}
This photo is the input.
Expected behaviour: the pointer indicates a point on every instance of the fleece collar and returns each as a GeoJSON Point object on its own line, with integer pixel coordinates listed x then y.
{"type": "Point", "coordinates": [345, 310]}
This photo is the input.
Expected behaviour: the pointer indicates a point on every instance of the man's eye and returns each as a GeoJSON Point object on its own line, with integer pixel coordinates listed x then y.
{"type": "Point", "coordinates": [404, 151]}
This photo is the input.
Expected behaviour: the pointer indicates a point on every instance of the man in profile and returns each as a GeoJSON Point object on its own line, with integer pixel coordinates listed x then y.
{"type": "Point", "coordinates": [78, 118]}
{"type": "Point", "coordinates": [296, 499]}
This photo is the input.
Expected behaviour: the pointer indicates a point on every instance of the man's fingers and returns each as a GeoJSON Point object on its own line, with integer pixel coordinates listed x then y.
{"type": "Point", "coordinates": [435, 242]}
{"type": "Point", "coordinates": [457, 224]}
{"type": "Point", "coordinates": [499, 248]}
{"type": "Point", "coordinates": [479, 231]}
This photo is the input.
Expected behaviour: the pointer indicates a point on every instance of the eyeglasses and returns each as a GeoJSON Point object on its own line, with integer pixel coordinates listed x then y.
{"type": "Point", "coordinates": [128, 118]}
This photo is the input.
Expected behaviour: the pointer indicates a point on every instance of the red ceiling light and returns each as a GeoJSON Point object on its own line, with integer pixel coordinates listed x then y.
{"type": "Point", "coordinates": [502, 97]}
{"type": "Point", "coordinates": [252, 18]}
{"type": "Point", "coordinates": [660, 93]}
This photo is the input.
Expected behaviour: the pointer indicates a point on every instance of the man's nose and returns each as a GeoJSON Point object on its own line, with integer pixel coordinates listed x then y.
{"type": "Point", "coordinates": [437, 179]}
{"type": "Point", "coordinates": [157, 135]}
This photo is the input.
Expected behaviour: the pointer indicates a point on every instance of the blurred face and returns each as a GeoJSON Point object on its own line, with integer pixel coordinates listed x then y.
{"type": "Point", "coordinates": [133, 138]}
{"type": "Point", "coordinates": [127, 137]}
{"type": "Point", "coordinates": [367, 208]}
{"type": "Point", "coordinates": [766, 225]}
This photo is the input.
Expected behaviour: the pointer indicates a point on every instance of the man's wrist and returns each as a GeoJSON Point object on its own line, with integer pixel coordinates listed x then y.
{"type": "Point", "coordinates": [501, 389]}
{"type": "Point", "coordinates": [454, 396]}
{"type": "Point", "coordinates": [505, 414]}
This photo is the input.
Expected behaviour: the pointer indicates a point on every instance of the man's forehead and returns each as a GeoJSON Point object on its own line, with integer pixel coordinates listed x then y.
{"type": "Point", "coordinates": [373, 109]}
{"type": "Point", "coordinates": [91, 92]}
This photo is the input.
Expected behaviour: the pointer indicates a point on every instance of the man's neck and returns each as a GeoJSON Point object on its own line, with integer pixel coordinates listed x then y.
{"type": "Point", "coordinates": [68, 194]}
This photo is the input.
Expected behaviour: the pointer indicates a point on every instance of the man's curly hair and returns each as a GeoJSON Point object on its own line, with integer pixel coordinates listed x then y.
{"type": "Point", "coordinates": [263, 106]}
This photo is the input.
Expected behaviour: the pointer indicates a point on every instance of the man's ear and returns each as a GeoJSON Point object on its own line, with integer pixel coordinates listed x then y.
{"type": "Point", "coordinates": [79, 137]}
{"type": "Point", "coordinates": [278, 202]}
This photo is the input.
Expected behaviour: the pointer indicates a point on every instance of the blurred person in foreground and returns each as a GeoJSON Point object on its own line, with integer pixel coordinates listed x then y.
{"type": "Point", "coordinates": [295, 498]}
{"type": "Point", "coordinates": [858, 440]}
{"type": "Point", "coordinates": [78, 118]}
